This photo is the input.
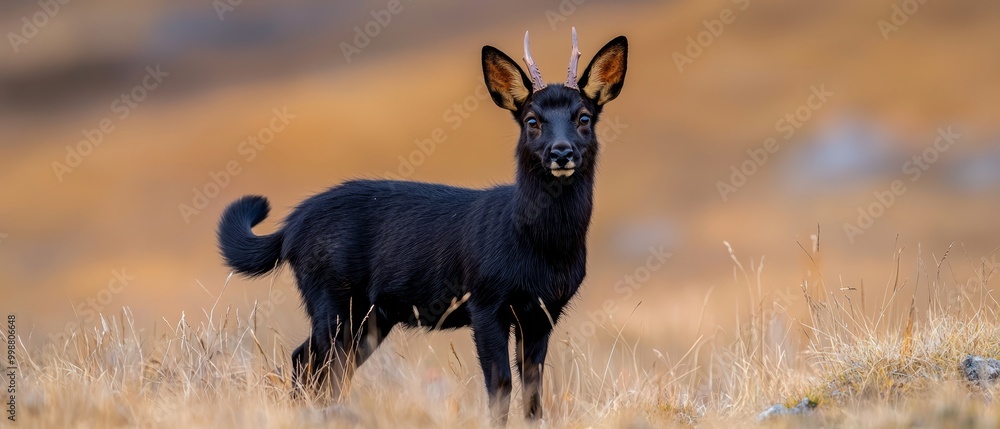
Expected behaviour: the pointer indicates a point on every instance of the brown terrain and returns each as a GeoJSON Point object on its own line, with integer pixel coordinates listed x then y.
{"type": "Point", "coordinates": [143, 204]}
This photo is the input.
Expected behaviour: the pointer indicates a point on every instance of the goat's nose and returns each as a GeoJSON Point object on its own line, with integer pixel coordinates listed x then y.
{"type": "Point", "coordinates": [560, 153]}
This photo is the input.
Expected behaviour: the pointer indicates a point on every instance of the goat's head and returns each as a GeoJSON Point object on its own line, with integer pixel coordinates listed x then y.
{"type": "Point", "coordinates": [557, 121]}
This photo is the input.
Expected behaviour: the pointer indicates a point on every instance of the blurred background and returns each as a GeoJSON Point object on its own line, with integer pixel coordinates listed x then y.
{"type": "Point", "coordinates": [128, 126]}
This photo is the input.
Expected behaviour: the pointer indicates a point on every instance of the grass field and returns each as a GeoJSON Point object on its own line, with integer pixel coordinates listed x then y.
{"type": "Point", "coordinates": [858, 359]}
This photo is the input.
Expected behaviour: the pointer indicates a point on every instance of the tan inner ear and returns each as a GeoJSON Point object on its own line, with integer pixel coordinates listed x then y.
{"type": "Point", "coordinates": [507, 81]}
{"type": "Point", "coordinates": [608, 70]}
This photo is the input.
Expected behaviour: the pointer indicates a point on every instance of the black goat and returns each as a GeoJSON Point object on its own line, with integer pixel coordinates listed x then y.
{"type": "Point", "coordinates": [371, 254]}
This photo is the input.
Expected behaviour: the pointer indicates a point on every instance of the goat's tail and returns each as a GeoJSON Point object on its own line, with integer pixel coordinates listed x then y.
{"type": "Point", "coordinates": [245, 252]}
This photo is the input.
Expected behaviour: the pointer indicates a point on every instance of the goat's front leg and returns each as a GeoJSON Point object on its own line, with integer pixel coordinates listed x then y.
{"type": "Point", "coordinates": [532, 345]}
{"type": "Point", "coordinates": [491, 333]}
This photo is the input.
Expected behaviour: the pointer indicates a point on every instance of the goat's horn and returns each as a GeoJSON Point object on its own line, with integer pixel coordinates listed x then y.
{"type": "Point", "coordinates": [574, 60]}
{"type": "Point", "coordinates": [536, 76]}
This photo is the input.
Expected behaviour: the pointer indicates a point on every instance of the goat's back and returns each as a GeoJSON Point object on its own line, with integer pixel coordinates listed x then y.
{"type": "Point", "coordinates": [401, 244]}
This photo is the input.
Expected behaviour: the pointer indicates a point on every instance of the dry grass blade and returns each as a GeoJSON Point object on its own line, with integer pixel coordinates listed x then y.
{"type": "Point", "coordinates": [858, 364]}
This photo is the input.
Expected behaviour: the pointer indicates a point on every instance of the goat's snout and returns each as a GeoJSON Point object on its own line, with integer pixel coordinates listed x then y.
{"type": "Point", "coordinates": [561, 154]}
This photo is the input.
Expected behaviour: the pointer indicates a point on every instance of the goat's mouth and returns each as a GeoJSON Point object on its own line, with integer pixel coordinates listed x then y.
{"type": "Point", "coordinates": [564, 170]}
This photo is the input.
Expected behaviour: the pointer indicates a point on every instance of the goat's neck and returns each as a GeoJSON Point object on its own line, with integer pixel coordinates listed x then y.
{"type": "Point", "coordinates": [553, 212]}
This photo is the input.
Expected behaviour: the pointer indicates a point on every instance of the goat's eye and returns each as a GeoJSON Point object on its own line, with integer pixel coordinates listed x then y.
{"type": "Point", "coordinates": [532, 122]}
{"type": "Point", "coordinates": [584, 119]}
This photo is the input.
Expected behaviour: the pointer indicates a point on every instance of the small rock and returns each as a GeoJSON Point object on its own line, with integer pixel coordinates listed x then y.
{"type": "Point", "coordinates": [981, 370]}
{"type": "Point", "coordinates": [805, 405]}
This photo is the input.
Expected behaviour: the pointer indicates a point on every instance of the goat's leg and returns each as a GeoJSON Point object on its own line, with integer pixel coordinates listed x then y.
{"type": "Point", "coordinates": [370, 336]}
{"type": "Point", "coordinates": [302, 364]}
{"type": "Point", "coordinates": [322, 364]}
{"type": "Point", "coordinates": [492, 334]}
{"type": "Point", "coordinates": [532, 344]}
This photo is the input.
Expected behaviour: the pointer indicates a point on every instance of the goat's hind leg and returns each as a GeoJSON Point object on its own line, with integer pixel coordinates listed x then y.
{"type": "Point", "coordinates": [370, 334]}
{"type": "Point", "coordinates": [321, 364]}
{"type": "Point", "coordinates": [308, 367]}
{"type": "Point", "coordinates": [351, 347]}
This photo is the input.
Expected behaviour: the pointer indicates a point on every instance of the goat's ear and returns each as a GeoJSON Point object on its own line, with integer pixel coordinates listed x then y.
{"type": "Point", "coordinates": [604, 77]}
{"type": "Point", "coordinates": [508, 84]}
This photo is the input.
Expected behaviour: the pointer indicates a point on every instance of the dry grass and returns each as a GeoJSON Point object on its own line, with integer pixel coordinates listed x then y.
{"type": "Point", "coordinates": [862, 364]}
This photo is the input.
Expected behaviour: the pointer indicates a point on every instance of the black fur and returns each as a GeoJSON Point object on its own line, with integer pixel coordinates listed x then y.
{"type": "Point", "coordinates": [372, 254]}
{"type": "Point", "coordinates": [245, 252]}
